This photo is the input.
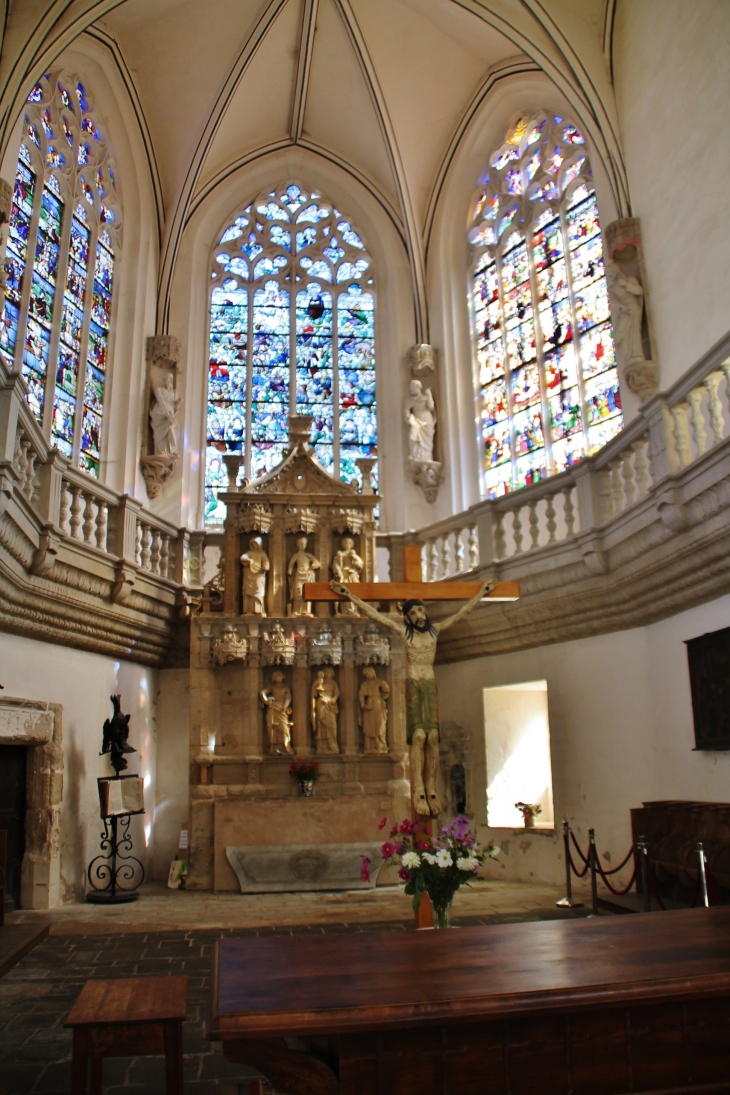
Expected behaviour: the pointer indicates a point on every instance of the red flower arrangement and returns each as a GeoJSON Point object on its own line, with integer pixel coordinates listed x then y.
{"type": "Point", "coordinates": [304, 769]}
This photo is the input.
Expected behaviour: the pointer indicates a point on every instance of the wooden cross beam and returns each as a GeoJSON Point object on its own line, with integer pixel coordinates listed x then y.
{"type": "Point", "coordinates": [413, 588]}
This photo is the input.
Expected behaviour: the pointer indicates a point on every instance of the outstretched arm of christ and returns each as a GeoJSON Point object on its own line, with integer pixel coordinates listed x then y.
{"type": "Point", "coordinates": [465, 608]}
{"type": "Point", "coordinates": [366, 608]}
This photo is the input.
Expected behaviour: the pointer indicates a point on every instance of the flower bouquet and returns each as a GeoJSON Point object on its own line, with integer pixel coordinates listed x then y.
{"type": "Point", "coordinates": [305, 772]}
{"type": "Point", "coordinates": [529, 811]}
{"type": "Point", "coordinates": [437, 866]}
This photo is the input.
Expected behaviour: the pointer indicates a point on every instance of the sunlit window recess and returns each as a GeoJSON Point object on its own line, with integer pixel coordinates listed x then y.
{"type": "Point", "coordinates": [517, 742]}
{"type": "Point", "coordinates": [547, 379]}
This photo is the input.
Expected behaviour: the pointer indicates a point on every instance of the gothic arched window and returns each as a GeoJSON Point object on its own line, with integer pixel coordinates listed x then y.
{"type": "Point", "coordinates": [291, 330]}
{"type": "Point", "coordinates": [547, 370]}
{"type": "Point", "coordinates": [59, 263]}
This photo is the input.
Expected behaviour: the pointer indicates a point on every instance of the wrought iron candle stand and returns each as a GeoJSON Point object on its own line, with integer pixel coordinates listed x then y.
{"type": "Point", "coordinates": [116, 875]}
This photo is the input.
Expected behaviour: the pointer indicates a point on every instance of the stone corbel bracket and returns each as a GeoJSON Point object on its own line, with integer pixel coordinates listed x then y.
{"type": "Point", "coordinates": [45, 554]}
{"type": "Point", "coordinates": [157, 470]}
{"type": "Point", "coordinates": [428, 475]}
{"type": "Point", "coordinates": [301, 519]}
{"type": "Point", "coordinates": [229, 647]}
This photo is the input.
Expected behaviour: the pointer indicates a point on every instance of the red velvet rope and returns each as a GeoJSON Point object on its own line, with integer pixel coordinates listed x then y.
{"type": "Point", "coordinates": [602, 873]}
{"type": "Point", "coordinates": [568, 856]}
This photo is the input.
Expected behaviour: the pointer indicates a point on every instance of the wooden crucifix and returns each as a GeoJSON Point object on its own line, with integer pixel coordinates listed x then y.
{"type": "Point", "coordinates": [421, 636]}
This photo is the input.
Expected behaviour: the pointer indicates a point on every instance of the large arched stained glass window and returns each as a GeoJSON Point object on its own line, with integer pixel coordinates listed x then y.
{"type": "Point", "coordinates": [292, 330]}
{"type": "Point", "coordinates": [547, 371]}
{"type": "Point", "coordinates": [62, 240]}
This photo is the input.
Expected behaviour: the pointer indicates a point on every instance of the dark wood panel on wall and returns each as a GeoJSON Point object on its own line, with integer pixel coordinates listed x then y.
{"type": "Point", "coordinates": [12, 817]}
{"type": "Point", "coordinates": [709, 675]}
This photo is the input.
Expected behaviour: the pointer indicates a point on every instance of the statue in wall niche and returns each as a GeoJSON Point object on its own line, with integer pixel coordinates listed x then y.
{"type": "Point", "coordinates": [422, 720]}
{"type": "Point", "coordinates": [421, 421]}
{"type": "Point", "coordinates": [347, 567]}
{"type": "Point", "coordinates": [373, 714]}
{"type": "Point", "coordinates": [627, 296]}
{"type": "Point", "coordinates": [324, 696]}
{"type": "Point", "coordinates": [163, 413]}
{"type": "Point", "coordinates": [255, 565]}
{"type": "Point", "coordinates": [114, 741]}
{"type": "Point", "coordinates": [277, 701]}
{"type": "Point", "coordinates": [301, 569]}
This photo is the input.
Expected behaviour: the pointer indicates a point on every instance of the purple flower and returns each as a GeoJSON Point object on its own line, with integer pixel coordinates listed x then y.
{"type": "Point", "coordinates": [388, 850]}
{"type": "Point", "coordinates": [383, 823]}
{"type": "Point", "coordinates": [404, 875]}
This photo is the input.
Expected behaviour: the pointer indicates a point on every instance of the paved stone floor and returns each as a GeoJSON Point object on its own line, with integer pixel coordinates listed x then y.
{"type": "Point", "coordinates": [87, 942]}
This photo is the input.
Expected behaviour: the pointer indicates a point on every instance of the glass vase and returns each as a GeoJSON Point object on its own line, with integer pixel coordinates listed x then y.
{"type": "Point", "coordinates": [442, 915]}
{"type": "Point", "coordinates": [306, 788]}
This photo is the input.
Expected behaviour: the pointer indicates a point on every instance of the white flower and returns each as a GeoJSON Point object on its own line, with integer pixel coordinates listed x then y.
{"type": "Point", "coordinates": [410, 860]}
{"type": "Point", "coordinates": [467, 863]}
{"type": "Point", "coordinates": [443, 858]}
{"type": "Point", "coordinates": [429, 858]}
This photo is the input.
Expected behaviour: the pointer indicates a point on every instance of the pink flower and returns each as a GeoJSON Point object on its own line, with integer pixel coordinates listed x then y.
{"type": "Point", "coordinates": [422, 845]}
{"type": "Point", "coordinates": [407, 826]}
{"type": "Point", "coordinates": [364, 868]}
{"type": "Point", "coordinates": [383, 823]}
{"type": "Point", "coordinates": [388, 850]}
{"type": "Point", "coordinates": [404, 875]}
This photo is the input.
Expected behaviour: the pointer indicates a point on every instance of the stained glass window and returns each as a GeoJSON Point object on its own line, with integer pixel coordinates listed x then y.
{"type": "Point", "coordinates": [292, 330]}
{"type": "Point", "coordinates": [547, 371]}
{"type": "Point", "coordinates": [59, 261]}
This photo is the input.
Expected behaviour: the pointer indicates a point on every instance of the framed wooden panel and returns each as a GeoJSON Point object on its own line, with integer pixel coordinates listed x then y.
{"type": "Point", "coordinates": [709, 675]}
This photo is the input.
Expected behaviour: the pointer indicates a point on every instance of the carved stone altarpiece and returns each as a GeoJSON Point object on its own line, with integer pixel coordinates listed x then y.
{"type": "Point", "coordinates": [241, 793]}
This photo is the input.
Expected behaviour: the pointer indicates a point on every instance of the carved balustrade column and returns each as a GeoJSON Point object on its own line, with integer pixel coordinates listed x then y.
{"type": "Point", "coordinates": [277, 584]}
{"type": "Point", "coordinates": [323, 552]}
{"type": "Point", "coordinates": [348, 699]}
{"type": "Point", "coordinates": [302, 729]}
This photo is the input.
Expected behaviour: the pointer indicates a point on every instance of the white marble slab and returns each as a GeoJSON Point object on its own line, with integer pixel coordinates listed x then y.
{"type": "Point", "coordinates": [264, 868]}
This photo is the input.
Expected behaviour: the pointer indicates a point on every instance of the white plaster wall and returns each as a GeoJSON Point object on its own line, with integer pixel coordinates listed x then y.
{"type": "Point", "coordinates": [173, 754]}
{"type": "Point", "coordinates": [621, 734]}
{"type": "Point", "coordinates": [82, 683]}
{"type": "Point", "coordinates": [672, 77]}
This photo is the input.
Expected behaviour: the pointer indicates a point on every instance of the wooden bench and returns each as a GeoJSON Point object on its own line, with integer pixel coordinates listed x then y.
{"type": "Point", "coordinates": [129, 1017]}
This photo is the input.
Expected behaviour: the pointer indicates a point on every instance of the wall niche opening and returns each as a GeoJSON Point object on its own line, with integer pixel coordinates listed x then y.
{"type": "Point", "coordinates": [517, 741]}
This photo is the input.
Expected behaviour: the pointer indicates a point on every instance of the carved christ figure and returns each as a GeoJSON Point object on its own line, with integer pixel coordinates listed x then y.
{"type": "Point", "coordinates": [255, 564]}
{"type": "Point", "coordinates": [324, 696]}
{"type": "Point", "coordinates": [373, 714]}
{"type": "Point", "coordinates": [421, 420]}
{"type": "Point", "coordinates": [277, 702]}
{"type": "Point", "coordinates": [162, 417]}
{"type": "Point", "coordinates": [302, 566]}
{"type": "Point", "coordinates": [347, 567]}
{"type": "Point", "coordinates": [422, 721]}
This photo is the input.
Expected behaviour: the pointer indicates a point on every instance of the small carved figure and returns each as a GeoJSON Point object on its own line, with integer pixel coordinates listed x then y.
{"type": "Point", "coordinates": [162, 417]}
{"type": "Point", "coordinates": [347, 567]}
{"type": "Point", "coordinates": [116, 732]}
{"type": "Point", "coordinates": [255, 564]}
{"type": "Point", "coordinates": [230, 647]}
{"type": "Point", "coordinates": [301, 569]}
{"type": "Point", "coordinates": [324, 696]}
{"type": "Point", "coordinates": [277, 702]}
{"type": "Point", "coordinates": [423, 359]}
{"type": "Point", "coordinates": [373, 714]}
{"type": "Point", "coordinates": [421, 420]}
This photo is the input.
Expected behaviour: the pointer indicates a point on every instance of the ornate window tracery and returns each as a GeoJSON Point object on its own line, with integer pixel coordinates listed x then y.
{"type": "Point", "coordinates": [292, 330]}
{"type": "Point", "coordinates": [63, 238]}
{"type": "Point", "coordinates": [547, 371]}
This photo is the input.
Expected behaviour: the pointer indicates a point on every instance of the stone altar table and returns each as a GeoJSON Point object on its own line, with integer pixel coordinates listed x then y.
{"type": "Point", "coordinates": [577, 1007]}
{"type": "Point", "coordinates": [263, 869]}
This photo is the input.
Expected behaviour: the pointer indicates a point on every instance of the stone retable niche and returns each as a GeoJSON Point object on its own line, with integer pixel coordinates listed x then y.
{"type": "Point", "coordinates": [243, 648]}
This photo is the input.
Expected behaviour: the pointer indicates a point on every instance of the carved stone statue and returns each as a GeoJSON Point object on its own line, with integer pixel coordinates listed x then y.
{"type": "Point", "coordinates": [627, 296]}
{"type": "Point", "coordinates": [301, 569]}
{"type": "Point", "coordinates": [114, 741]}
{"type": "Point", "coordinates": [162, 417]}
{"type": "Point", "coordinates": [373, 714]}
{"type": "Point", "coordinates": [421, 420]}
{"type": "Point", "coordinates": [277, 702]}
{"type": "Point", "coordinates": [423, 359]}
{"type": "Point", "coordinates": [324, 696]}
{"type": "Point", "coordinates": [422, 721]}
{"type": "Point", "coordinates": [229, 647]}
{"type": "Point", "coordinates": [347, 567]}
{"type": "Point", "coordinates": [255, 564]}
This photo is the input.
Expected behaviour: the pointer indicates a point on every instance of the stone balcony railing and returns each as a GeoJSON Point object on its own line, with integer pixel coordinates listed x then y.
{"type": "Point", "coordinates": [637, 532]}
{"type": "Point", "coordinates": [79, 563]}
